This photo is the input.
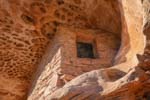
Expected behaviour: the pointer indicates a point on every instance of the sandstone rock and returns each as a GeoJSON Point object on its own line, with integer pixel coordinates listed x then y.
{"type": "Point", "coordinates": [39, 55]}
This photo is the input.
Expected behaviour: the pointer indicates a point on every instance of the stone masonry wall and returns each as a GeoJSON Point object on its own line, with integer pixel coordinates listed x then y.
{"type": "Point", "coordinates": [46, 77]}
{"type": "Point", "coordinates": [106, 46]}
{"type": "Point", "coordinates": [63, 64]}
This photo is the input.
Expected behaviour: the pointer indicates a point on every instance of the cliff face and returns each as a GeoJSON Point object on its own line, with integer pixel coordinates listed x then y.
{"type": "Point", "coordinates": [28, 31]}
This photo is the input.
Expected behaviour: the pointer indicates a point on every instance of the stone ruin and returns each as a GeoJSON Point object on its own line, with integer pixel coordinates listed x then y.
{"type": "Point", "coordinates": [74, 50]}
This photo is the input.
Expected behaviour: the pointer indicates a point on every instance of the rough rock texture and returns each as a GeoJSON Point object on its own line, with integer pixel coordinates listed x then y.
{"type": "Point", "coordinates": [125, 81]}
{"type": "Point", "coordinates": [29, 39]}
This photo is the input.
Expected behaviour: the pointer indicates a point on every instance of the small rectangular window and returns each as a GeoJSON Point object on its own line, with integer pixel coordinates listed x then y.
{"type": "Point", "coordinates": [85, 50]}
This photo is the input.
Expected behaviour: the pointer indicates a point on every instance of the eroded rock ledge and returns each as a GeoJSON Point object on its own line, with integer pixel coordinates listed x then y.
{"type": "Point", "coordinates": [30, 28]}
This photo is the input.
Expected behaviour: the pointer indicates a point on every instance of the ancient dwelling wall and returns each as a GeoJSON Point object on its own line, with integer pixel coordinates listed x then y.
{"type": "Point", "coordinates": [63, 64]}
{"type": "Point", "coordinates": [46, 77]}
{"type": "Point", "coordinates": [105, 46]}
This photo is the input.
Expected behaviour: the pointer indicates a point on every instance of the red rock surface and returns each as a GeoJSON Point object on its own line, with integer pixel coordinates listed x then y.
{"type": "Point", "coordinates": [38, 51]}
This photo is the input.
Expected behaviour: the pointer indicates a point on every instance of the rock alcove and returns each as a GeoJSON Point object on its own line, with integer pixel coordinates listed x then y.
{"type": "Point", "coordinates": [32, 32]}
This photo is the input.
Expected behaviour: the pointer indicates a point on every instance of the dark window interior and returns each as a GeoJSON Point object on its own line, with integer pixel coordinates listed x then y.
{"type": "Point", "coordinates": [85, 50]}
{"type": "Point", "coordinates": [147, 96]}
